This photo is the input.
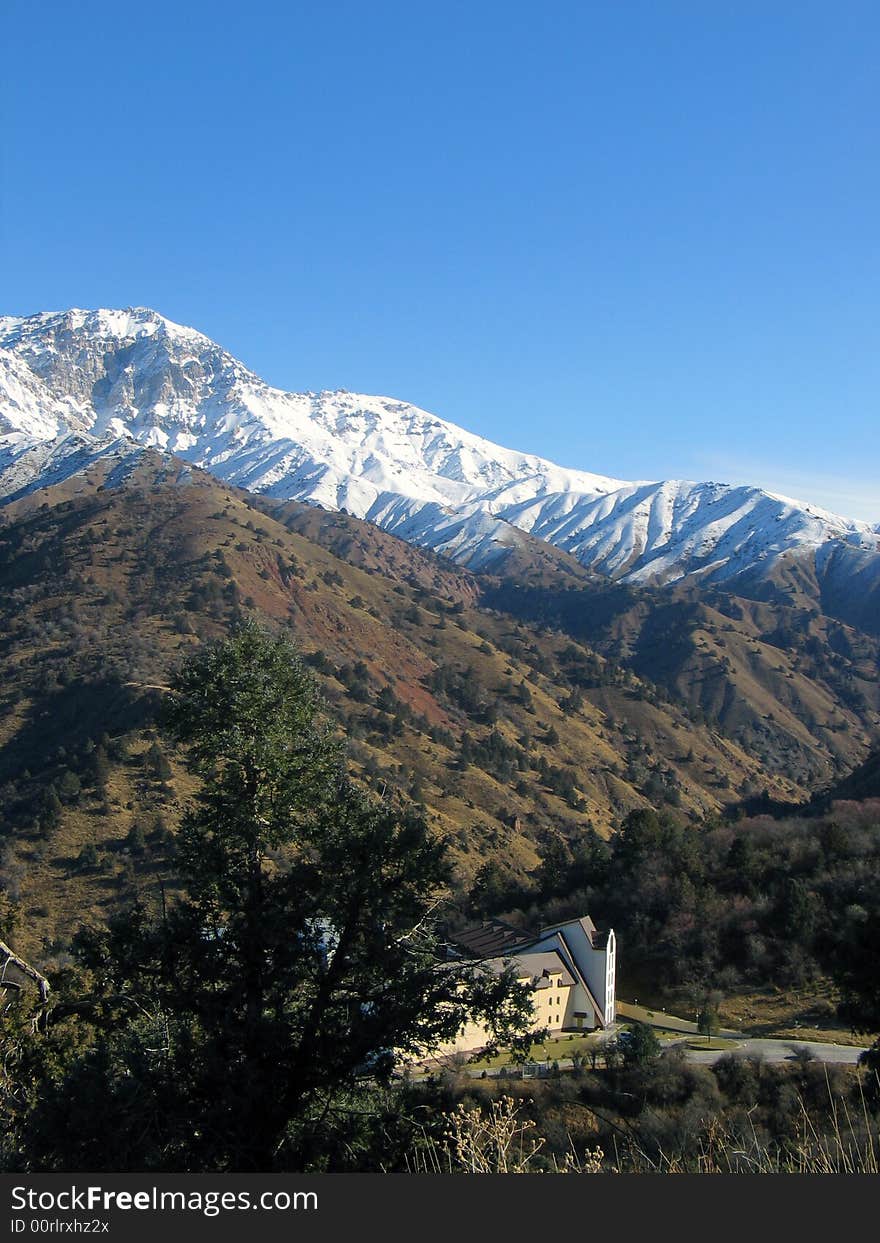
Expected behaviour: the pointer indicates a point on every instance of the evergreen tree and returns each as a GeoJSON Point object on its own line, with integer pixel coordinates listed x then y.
{"type": "Point", "coordinates": [708, 1018]}
{"type": "Point", "coordinates": [297, 968]}
{"type": "Point", "coordinates": [50, 812]}
{"type": "Point", "coordinates": [136, 839]}
{"type": "Point", "coordinates": [69, 786]}
{"type": "Point", "coordinates": [639, 1045]}
{"type": "Point", "coordinates": [100, 767]}
{"type": "Point", "coordinates": [552, 873]}
{"type": "Point", "coordinates": [88, 858]}
{"type": "Point", "coordinates": [157, 763]}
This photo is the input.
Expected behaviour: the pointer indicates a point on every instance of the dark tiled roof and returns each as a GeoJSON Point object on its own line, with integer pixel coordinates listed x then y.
{"type": "Point", "coordinates": [541, 967]}
{"type": "Point", "coordinates": [490, 938]}
{"type": "Point", "coordinates": [598, 939]}
{"type": "Point", "coordinates": [537, 968]}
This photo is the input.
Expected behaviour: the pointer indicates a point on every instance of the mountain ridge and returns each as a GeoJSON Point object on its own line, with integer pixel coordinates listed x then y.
{"type": "Point", "coordinates": [536, 706]}
{"type": "Point", "coordinates": [111, 375]}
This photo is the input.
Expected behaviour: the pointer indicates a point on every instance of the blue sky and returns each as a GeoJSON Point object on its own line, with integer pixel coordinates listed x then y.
{"type": "Point", "coordinates": [639, 238]}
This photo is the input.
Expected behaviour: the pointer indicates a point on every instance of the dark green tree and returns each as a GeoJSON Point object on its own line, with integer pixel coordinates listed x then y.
{"type": "Point", "coordinates": [136, 839]}
{"type": "Point", "coordinates": [851, 954]}
{"type": "Point", "coordinates": [854, 968]}
{"type": "Point", "coordinates": [493, 889]}
{"type": "Point", "coordinates": [50, 812]}
{"type": "Point", "coordinates": [156, 762]}
{"type": "Point", "coordinates": [100, 767]}
{"type": "Point", "coordinates": [708, 1018]}
{"type": "Point", "coordinates": [241, 1029]}
{"type": "Point", "coordinates": [69, 786]}
{"type": "Point", "coordinates": [88, 858]}
{"type": "Point", "coordinates": [552, 873]}
{"type": "Point", "coordinates": [640, 1046]}
{"type": "Point", "coordinates": [524, 696]}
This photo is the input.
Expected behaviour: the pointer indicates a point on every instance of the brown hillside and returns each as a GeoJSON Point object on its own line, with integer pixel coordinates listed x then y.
{"type": "Point", "coordinates": [505, 731]}
{"type": "Point", "coordinates": [794, 688]}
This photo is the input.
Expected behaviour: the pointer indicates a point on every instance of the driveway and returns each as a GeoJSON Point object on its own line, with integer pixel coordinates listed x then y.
{"type": "Point", "coordinates": [781, 1051]}
{"type": "Point", "coordinates": [768, 1050]}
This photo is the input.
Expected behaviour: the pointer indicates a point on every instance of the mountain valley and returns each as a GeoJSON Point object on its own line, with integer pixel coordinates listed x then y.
{"type": "Point", "coordinates": [528, 653]}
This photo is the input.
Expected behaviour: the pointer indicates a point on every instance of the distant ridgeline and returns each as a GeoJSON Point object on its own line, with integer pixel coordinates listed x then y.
{"type": "Point", "coordinates": [79, 384]}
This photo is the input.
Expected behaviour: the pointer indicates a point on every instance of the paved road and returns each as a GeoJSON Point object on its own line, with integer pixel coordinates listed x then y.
{"type": "Point", "coordinates": [782, 1051]}
{"type": "Point", "coordinates": [628, 1011]}
{"type": "Point", "coordinates": [769, 1050]}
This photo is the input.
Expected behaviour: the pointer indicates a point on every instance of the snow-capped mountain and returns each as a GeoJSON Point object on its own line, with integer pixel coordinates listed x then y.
{"type": "Point", "coordinates": [78, 382]}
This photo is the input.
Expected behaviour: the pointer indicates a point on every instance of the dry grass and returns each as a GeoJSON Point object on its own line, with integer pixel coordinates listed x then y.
{"type": "Point", "coordinates": [116, 548]}
{"type": "Point", "coordinates": [502, 1141]}
{"type": "Point", "coordinates": [808, 1012]}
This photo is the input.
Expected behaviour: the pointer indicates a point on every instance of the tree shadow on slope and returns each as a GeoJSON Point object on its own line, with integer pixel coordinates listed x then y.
{"type": "Point", "coordinates": [67, 717]}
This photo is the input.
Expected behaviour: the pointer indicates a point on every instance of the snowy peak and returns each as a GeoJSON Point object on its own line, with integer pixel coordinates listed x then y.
{"type": "Point", "coordinates": [661, 531]}
{"type": "Point", "coordinates": [135, 373]}
{"type": "Point", "coordinates": [57, 331]}
{"type": "Point", "coordinates": [109, 375]}
{"type": "Point", "coordinates": [28, 409]}
{"type": "Point", "coordinates": [133, 369]}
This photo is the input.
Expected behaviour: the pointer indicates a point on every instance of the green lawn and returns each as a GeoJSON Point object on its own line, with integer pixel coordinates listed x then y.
{"type": "Point", "coordinates": [556, 1048]}
{"type": "Point", "coordinates": [560, 1048]}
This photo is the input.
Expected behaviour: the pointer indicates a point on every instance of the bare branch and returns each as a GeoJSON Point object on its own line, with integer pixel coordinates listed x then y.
{"type": "Point", "coordinates": [428, 913]}
{"type": "Point", "coordinates": [26, 969]}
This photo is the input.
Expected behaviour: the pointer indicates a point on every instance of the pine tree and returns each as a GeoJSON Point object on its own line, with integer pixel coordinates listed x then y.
{"type": "Point", "coordinates": [69, 786]}
{"type": "Point", "coordinates": [50, 812]}
{"type": "Point", "coordinates": [100, 767]}
{"type": "Point", "coordinates": [299, 965]}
